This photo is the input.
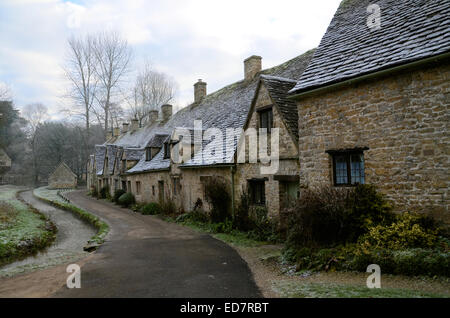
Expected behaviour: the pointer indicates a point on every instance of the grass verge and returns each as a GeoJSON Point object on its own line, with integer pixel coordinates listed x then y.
{"type": "Point", "coordinates": [51, 197]}
{"type": "Point", "coordinates": [234, 237]}
{"type": "Point", "coordinates": [24, 231]}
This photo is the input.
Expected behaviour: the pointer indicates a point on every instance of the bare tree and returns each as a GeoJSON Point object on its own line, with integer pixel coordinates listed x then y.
{"type": "Point", "coordinates": [5, 92]}
{"type": "Point", "coordinates": [80, 71]}
{"type": "Point", "coordinates": [151, 90]}
{"type": "Point", "coordinates": [113, 57]}
{"type": "Point", "coordinates": [35, 114]}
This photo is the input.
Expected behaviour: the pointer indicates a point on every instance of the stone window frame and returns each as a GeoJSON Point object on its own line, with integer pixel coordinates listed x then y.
{"type": "Point", "coordinates": [347, 153]}
{"type": "Point", "coordinates": [176, 185]}
{"type": "Point", "coordinates": [255, 185]}
{"type": "Point", "coordinates": [138, 187]}
{"type": "Point", "coordinates": [268, 123]}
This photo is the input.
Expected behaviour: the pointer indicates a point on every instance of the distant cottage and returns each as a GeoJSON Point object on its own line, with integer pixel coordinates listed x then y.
{"type": "Point", "coordinates": [62, 178]}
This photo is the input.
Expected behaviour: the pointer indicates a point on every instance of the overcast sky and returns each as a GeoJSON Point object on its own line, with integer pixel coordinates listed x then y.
{"type": "Point", "coordinates": [187, 39]}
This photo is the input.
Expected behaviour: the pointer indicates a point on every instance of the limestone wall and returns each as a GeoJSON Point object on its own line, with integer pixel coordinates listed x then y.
{"type": "Point", "coordinates": [404, 121]}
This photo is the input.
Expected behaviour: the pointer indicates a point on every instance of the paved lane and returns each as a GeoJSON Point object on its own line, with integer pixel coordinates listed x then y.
{"type": "Point", "coordinates": [147, 257]}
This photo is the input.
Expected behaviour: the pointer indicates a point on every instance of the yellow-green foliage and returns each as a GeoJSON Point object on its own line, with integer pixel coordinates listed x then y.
{"type": "Point", "coordinates": [406, 232]}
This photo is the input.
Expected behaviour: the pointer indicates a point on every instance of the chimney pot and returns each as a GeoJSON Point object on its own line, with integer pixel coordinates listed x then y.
{"type": "Point", "coordinates": [116, 131]}
{"type": "Point", "coordinates": [252, 66]}
{"type": "Point", "coordinates": [134, 124]}
{"type": "Point", "coordinates": [166, 111]}
{"type": "Point", "coordinates": [153, 115]}
{"type": "Point", "coordinates": [199, 91]}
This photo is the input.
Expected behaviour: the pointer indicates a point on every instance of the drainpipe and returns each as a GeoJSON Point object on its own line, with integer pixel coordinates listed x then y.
{"type": "Point", "coordinates": [233, 171]}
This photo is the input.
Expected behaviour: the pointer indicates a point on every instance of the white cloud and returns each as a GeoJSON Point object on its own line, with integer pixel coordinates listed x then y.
{"type": "Point", "coordinates": [188, 39]}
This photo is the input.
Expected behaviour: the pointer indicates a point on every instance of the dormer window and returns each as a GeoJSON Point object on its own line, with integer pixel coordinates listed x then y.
{"type": "Point", "coordinates": [148, 154]}
{"type": "Point", "coordinates": [166, 150]}
{"type": "Point", "coordinates": [266, 119]}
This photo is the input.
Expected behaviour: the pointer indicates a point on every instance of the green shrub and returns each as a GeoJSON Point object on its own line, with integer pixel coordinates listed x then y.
{"type": "Point", "coordinates": [94, 192]}
{"type": "Point", "coordinates": [222, 227]}
{"type": "Point", "coordinates": [328, 216]}
{"type": "Point", "coordinates": [168, 208]}
{"type": "Point", "coordinates": [411, 262]}
{"type": "Point", "coordinates": [365, 208]}
{"type": "Point", "coordinates": [195, 216]}
{"type": "Point", "coordinates": [406, 232]}
{"type": "Point", "coordinates": [104, 192]}
{"type": "Point", "coordinates": [151, 209]}
{"type": "Point", "coordinates": [126, 200]}
{"type": "Point", "coordinates": [117, 194]}
{"type": "Point", "coordinates": [241, 218]}
{"type": "Point", "coordinates": [217, 194]}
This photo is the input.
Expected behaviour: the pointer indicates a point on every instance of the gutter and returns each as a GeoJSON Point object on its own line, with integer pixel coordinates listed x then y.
{"type": "Point", "coordinates": [233, 171]}
{"type": "Point", "coordinates": [147, 171]}
{"type": "Point", "coordinates": [358, 79]}
{"type": "Point", "coordinates": [222, 165]}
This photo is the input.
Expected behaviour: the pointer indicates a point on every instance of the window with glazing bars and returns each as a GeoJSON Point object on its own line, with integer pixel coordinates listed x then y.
{"type": "Point", "coordinates": [348, 168]}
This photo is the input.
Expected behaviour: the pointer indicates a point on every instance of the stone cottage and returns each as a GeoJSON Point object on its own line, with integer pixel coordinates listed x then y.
{"type": "Point", "coordinates": [156, 175]}
{"type": "Point", "coordinates": [373, 104]}
{"type": "Point", "coordinates": [62, 178]}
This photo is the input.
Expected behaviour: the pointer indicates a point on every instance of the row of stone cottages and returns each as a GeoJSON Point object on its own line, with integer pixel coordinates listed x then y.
{"type": "Point", "coordinates": [367, 106]}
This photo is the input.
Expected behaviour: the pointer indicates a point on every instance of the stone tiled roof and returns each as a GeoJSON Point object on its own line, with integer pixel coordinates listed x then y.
{"type": "Point", "coordinates": [278, 89]}
{"type": "Point", "coordinates": [225, 108]}
{"type": "Point", "coordinates": [100, 151]}
{"type": "Point", "coordinates": [157, 141]}
{"type": "Point", "coordinates": [111, 152]}
{"type": "Point", "coordinates": [410, 30]}
{"type": "Point", "coordinates": [157, 163]}
{"type": "Point", "coordinates": [133, 154]}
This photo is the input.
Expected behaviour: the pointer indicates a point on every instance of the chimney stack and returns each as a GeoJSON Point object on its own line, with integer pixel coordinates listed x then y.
{"type": "Point", "coordinates": [199, 91]}
{"type": "Point", "coordinates": [116, 131]}
{"type": "Point", "coordinates": [166, 111]}
{"type": "Point", "coordinates": [153, 116]}
{"type": "Point", "coordinates": [134, 124]}
{"type": "Point", "coordinates": [252, 66]}
{"type": "Point", "coordinates": [124, 128]}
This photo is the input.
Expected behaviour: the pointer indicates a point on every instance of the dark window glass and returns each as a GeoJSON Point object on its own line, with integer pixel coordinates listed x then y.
{"type": "Point", "coordinates": [348, 168]}
{"type": "Point", "coordinates": [266, 119]}
{"type": "Point", "coordinates": [257, 192]}
{"type": "Point", "coordinates": [166, 151]}
{"type": "Point", "coordinates": [148, 154]}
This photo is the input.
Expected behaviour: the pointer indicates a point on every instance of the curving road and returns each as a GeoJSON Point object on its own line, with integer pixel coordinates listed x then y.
{"type": "Point", "coordinates": [147, 257]}
{"type": "Point", "coordinates": [72, 236]}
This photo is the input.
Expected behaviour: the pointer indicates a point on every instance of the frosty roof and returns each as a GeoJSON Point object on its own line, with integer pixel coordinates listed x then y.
{"type": "Point", "coordinates": [278, 89]}
{"type": "Point", "coordinates": [410, 30]}
{"type": "Point", "coordinates": [223, 109]}
{"type": "Point", "coordinates": [99, 158]}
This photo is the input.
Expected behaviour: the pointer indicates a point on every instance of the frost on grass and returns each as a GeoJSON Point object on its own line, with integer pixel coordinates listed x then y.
{"type": "Point", "coordinates": [289, 289]}
{"type": "Point", "coordinates": [22, 231]}
{"type": "Point", "coordinates": [48, 194]}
